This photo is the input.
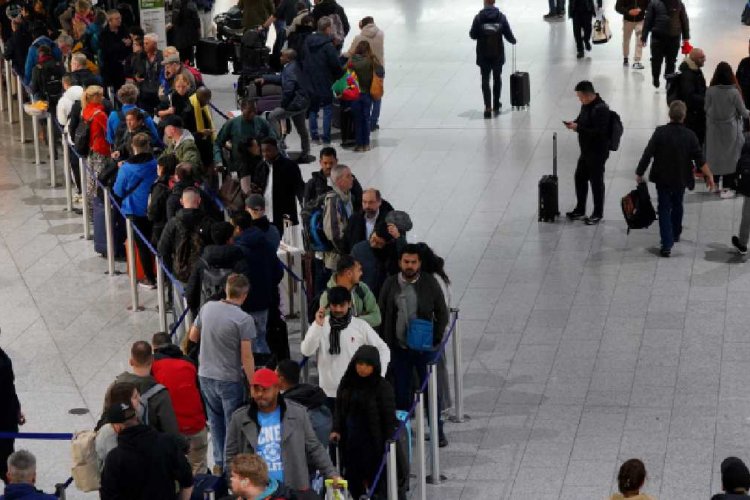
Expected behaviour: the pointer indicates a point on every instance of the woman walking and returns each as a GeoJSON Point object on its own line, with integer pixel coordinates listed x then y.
{"type": "Point", "coordinates": [725, 111]}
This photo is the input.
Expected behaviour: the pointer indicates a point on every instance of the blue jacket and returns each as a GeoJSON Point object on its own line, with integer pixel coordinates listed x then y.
{"type": "Point", "coordinates": [261, 266]}
{"type": "Point", "coordinates": [140, 168]}
{"type": "Point", "coordinates": [114, 121]}
{"type": "Point", "coordinates": [32, 56]}
{"type": "Point", "coordinates": [24, 492]}
{"type": "Point", "coordinates": [293, 84]}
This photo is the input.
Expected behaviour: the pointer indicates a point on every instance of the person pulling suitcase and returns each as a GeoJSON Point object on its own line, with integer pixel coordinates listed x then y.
{"type": "Point", "coordinates": [489, 28]}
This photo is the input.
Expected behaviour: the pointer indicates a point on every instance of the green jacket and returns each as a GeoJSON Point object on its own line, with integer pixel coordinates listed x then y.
{"type": "Point", "coordinates": [255, 12]}
{"type": "Point", "coordinates": [364, 303]}
{"type": "Point", "coordinates": [187, 151]}
{"type": "Point", "coordinates": [238, 131]}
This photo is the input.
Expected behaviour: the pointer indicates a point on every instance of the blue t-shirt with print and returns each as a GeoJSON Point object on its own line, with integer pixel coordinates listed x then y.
{"type": "Point", "coordinates": [269, 443]}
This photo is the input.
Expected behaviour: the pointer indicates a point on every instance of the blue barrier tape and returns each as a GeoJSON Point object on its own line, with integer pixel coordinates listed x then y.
{"type": "Point", "coordinates": [226, 117]}
{"type": "Point", "coordinates": [45, 436]}
{"type": "Point", "coordinates": [173, 331]}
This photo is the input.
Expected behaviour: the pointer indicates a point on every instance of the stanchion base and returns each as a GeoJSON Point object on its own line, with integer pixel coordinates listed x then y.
{"type": "Point", "coordinates": [457, 420]}
{"type": "Point", "coordinates": [86, 237]}
{"type": "Point", "coordinates": [116, 273]}
{"type": "Point", "coordinates": [139, 308]}
{"type": "Point", "coordinates": [442, 479]}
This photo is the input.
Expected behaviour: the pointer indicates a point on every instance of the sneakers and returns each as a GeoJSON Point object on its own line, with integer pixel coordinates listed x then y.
{"type": "Point", "coordinates": [637, 65]}
{"type": "Point", "coordinates": [741, 249]}
{"type": "Point", "coordinates": [625, 62]}
{"type": "Point", "coordinates": [665, 252]}
{"type": "Point", "coordinates": [573, 215]}
{"type": "Point", "coordinates": [550, 16]}
{"type": "Point", "coordinates": [592, 220]}
{"type": "Point", "coordinates": [150, 285]}
{"type": "Point", "coordinates": [487, 114]}
{"type": "Point", "coordinates": [496, 109]}
{"type": "Point", "coordinates": [727, 194]}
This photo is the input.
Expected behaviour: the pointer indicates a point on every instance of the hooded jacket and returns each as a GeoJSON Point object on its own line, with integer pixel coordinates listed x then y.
{"type": "Point", "coordinates": [330, 7]}
{"type": "Point", "coordinates": [134, 178]}
{"type": "Point", "coordinates": [373, 36]}
{"type": "Point", "coordinates": [261, 267]}
{"type": "Point", "coordinates": [318, 185]}
{"type": "Point", "coordinates": [33, 55]}
{"type": "Point", "coordinates": [65, 105]}
{"type": "Point", "coordinates": [320, 63]}
{"type": "Point", "coordinates": [488, 22]}
{"type": "Point", "coordinates": [218, 256]}
{"type": "Point", "coordinates": [187, 219]}
{"type": "Point", "coordinates": [299, 445]}
{"type": "Point", "coordinates": [24, 491]}
{"type": "Point", "coordinates": [186, 150]}
{"type": "Point", "coordinates": [145, 466]}
{"type": "Point", "coordinates": [179, 375]}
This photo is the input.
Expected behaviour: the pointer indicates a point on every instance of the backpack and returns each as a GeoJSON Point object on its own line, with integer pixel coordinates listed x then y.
{"type": "Point", "coordinates": [187, 251]}
{"type": "Point", "coordinates": [673, 86]}
{"type": "Point", "coordinates": [213, 281]}
{"type": "Point", "coordinates": [145, 398]}
{"type": "Point", "coordinates": [637, 208]}
{"type": "Point", "coordinates": [196, 74]}
{"type": "Point", "coordinates": [82, 135]}
{"type": "Point", "coordinates": [53, 88]}
{"type": "Point", "coordinates": [339, 35]}
{"type": "Point", "coordinates": [122, 128]}
{"type": "Point", "coordinates": [312, 229]}
{"type": "Point", "coordinates": [85, 470]}
{"type": "Point", "coordinates": [615, 130]}
{"type": "Point", "coordinates": [490, 41]}
{"type": "Point", "coordinates": [314, 305]}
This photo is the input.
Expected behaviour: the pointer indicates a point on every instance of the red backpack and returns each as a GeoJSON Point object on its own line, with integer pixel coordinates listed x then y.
{"type": "Point", "coordinates": [196, 74]}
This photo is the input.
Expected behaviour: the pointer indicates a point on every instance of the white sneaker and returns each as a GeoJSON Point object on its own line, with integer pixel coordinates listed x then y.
{"type": "Point", "coordinates": [727, 194]}
{"type": "Point", "coordinates": [637, 65]}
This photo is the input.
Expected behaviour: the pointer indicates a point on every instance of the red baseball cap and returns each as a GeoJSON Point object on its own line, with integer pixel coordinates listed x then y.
{"type": "Point", "coordinates": [265, 377]}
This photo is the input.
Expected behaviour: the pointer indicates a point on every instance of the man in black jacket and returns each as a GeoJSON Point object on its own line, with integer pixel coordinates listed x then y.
{"type": "Point", "coordinates": [281, 181]}
{"type": "Point", "coordinates": [692, 91]}
{"type": "Point", "coordinates": [407, 296]}
{"type": "Point", "coordinates": [310, 396]}
{"type": "Point", "coordinates": [666, 20]}
{"type": "Point", "coordinates": [633, 13]}
{"type": "Point", "coordinates": [320, 182]}
{"type": "Point", "coordinates": [362, 223]}
{"type": "Point", "coordinates": [146, 464]}
{"type": "Point", "coordinates": [592, 127]}
{"type": "Point", "coordinates": [675, 150]}
{"type": "Point", "coordinates": [328, 8]}
{"type": "Point", "coordinates": [582, 12]}
{"type": "Point", "coordinates": [489, 28]}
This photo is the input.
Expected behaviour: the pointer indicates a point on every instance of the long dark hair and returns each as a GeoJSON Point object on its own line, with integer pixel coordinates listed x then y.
{"type": "Point", "coordinates": [432, 263]}
{"type": "Point", "coordinates": [723, 75]}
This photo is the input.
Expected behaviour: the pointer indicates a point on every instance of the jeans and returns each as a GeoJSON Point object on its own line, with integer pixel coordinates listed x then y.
{"type": "Point", "coordinates": [496, 69]}
{"type": "Point", "coordinates": [744, 235]}
{"type": "Point", "coordinates": [664, 49]}
{"type": "Point", "coordinates": [222, 398]}
{"type": "Point", "coordinates": [556, 6]}
{"type": "Point", "coordinates": [327, 116]}
{"type": "Point", "coordinates": [582, 25]}
{"type": "Point", "coordinates": [589, 171]}
{"type": "Point", "coordinates": [670, 214]}
{"type": "Point", "coordinates": [260, 344]}
{"type": "Point", "coordinates": [375, 113]}
{"type": "Point", "coordinates": [403, 364]}
{"type": "Point", "coordinates": [361, 115]}
{"type": "Point", "coordinates": [298, 119]}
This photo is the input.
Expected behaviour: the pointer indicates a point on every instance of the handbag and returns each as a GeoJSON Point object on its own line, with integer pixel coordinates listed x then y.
{"type": "Point", "coordinates": [419, 335]}
{"type": "Point", "coordinates": [601, 33]}
{"type": "Point", "coordinates": [376, 87]}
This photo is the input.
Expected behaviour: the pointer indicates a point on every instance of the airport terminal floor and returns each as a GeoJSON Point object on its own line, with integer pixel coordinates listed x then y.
{"type": "Point", "coordinates": [581, 346]}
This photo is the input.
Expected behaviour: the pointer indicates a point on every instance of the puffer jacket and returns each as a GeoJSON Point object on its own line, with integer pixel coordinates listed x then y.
{"type": "Point", "coordinates": [134, 178]}
{"type": "Point", "coordinates": [666, 18]}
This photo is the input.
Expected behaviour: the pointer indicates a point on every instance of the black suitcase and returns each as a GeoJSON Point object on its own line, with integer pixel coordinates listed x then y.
{"type": "Point", "coordinates": [548, 206]}
{"type": "Point", "coordinates": [100, 231]}
{"type": "Point", "coordinates": [343, 120]}
{"type": "Point", "coordinates": [520, 86]}
{"type": "Point", "coordinates": [211, 57]}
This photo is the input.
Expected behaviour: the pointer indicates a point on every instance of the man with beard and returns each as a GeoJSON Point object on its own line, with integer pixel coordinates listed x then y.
{"type": "Point", "coordinates": [378, 256]}
{"type": "Point", "coordinates": [364, 303]}
{"type": "Point", "coordinates": [362, 224]}
{"type": "Point", "coordinates": [406, 300]}
{"type": "Point", "coordinates": [336, 337]}
{"type": "Point", "coordinates": [280, 432]}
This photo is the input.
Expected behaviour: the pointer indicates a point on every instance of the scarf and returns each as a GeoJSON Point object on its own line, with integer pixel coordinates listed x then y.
{"type": "Point", "coordinates": [199, 113]}
{"type": "Point", "coordinates": [337, 326]}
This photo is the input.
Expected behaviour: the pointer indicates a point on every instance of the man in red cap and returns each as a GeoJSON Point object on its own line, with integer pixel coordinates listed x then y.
{"type": "Point", "coordinates": [280, 432]}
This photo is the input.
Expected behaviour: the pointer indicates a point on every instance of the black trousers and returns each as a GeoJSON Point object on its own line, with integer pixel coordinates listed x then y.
{"type": "Point", "coordinates": [496, 70]}
{"type": "Point", "coordinates": [582, 25]}
{"type": "Point", "coordinates": [147, 260]}
{"type": "Point", "coordinates": [664, 49]}
{"type": "Point", "coordinates": [590, 172]}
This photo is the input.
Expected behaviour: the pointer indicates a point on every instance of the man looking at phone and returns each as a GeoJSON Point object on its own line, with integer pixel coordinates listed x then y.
{"type": "Point", "coordinates": [592, 127]}
{"type": "Point", "coordinates": [336, 337]}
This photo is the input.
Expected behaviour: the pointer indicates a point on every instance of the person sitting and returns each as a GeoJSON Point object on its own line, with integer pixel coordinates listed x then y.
{"type": "Point", "coordinates": [237, 131]}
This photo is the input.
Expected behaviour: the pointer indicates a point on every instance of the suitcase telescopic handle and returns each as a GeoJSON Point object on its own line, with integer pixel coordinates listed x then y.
{"type": "Point", "coordinates": [554, 154]}
{"type": "Point", "coordinates": [514, 57]}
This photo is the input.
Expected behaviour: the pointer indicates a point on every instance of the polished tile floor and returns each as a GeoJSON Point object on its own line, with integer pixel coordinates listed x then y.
{"type": "Point", "coordinates": [582, 348]}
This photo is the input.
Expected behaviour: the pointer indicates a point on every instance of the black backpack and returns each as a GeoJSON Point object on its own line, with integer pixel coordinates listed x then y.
{"type": "Point", "coordinates": [637, 208]}
{"type": "Point", "coordinates": [52, 90]}
{"type": "Point", "coordinates": [213, 281]}
{"type": "Point", "coordinates": [615, 130]}
{"type": "Point", "coordinates": [122, 128]}
{"type": "Point", "coordinates": [490, 42]}
{"type": "Point", "coordinates": [314, 305]}
{"type": "Point", "coordinates": [187, 251]}
{"type": "Point", "coordinates": [82, 135]}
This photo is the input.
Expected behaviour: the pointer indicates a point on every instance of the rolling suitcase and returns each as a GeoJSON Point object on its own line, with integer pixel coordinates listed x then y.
{"type": "Point", "coordinates": [100, 231]}
{"type": "Point", "coordinates": [211, 57]}
{"type": "Point", "coordinates": [520, 86]}
{"type": "Point", "coordinates": [548, 207]}
{"type": "Point", "coordinates": [342, 120]}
